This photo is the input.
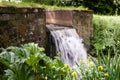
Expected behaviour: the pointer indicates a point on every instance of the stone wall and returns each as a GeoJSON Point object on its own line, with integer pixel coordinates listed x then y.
{"type": "Point", "coordinates": [81, 20]}
{"type": "Point", "coordinates": [22, 25]}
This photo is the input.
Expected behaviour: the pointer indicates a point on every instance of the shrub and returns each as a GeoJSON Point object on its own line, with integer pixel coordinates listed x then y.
{"type": "Point", "coordinates": [29, 62]}
{"type": "Point", "coordinates": [110, 7]}
{"type": "Point", "coordinates": [106, 34]}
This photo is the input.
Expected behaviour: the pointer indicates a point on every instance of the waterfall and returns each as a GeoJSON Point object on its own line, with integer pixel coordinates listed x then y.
{"type": "Point", "coordinates": [68, 44]}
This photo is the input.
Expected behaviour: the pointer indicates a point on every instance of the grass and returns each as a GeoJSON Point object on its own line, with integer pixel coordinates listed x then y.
{"type": "Point", "coordinates": [31, 4]}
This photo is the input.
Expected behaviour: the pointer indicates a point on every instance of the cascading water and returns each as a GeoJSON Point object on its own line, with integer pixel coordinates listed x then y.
{"type": "Point", "coordinates": [68, 44]}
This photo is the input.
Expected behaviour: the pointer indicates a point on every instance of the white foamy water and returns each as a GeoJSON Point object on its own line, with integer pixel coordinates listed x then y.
{"type": "Point", "coordinates": [69, 45]}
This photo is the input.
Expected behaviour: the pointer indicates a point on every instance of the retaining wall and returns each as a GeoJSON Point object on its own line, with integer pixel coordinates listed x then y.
{"type": "Point", "coordinates": [22, 25]}
{"type": "Point", "coordinates": [26, 24]}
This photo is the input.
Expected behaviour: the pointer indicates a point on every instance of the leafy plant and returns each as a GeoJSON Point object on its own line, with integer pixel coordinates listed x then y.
{"type": "Point", "coordinates": [102, 68]}
{"type": "Point", "coordinates": [17, 69]}
{"type": "Point", "coordinates": [106, 34]}
{"type": "Point", "coordinates": [29, 62]}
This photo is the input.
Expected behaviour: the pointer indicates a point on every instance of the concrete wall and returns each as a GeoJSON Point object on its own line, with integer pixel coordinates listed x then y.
{"type": "Point", "coordinates": [79, 19]}
{"type": "Point", "coordinates": [22, 25]}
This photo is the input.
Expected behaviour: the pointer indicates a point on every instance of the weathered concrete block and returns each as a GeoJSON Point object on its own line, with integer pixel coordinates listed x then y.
{"type": "Point", "coordinates": [59, 17]}
{"type": "Point", "coordinates": [22, 25]}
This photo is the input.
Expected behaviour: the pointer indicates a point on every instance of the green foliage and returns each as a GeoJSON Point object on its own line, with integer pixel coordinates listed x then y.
{"type": "Point", "coordinates": [110, 7]}
{"type": "Point", "coordinates": [103, 68]}
{"type": "Point", "coordinates": [38, 5]}
{"type": "Point", "coordinates": [58, 2]}
{"type": "Point", "coordinates": [19, 71]}
{"type": "Point", "coordinates": [29, 62]}
{"type": "Point", "coordinates": [53, 2]}
{"type": "Point", "coordinates": [16, 68]}
{"type": "Point", "coordinates": [106, 34]}
{"type": "Point", "coordinates": [101, 6]}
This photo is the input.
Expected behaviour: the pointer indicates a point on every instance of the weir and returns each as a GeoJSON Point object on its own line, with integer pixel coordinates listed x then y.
{"type": "Point", "coordinates": [68, 44]}
{"type": "Point", "coordinates": [81, 20]}
{"type": "Point", "coordinates": [24, 25]}
{"type": "Point", "coordinates": [68, 30]}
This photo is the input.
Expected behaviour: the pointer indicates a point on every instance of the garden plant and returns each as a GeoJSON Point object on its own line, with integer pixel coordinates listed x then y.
{"type": "Point", "coordinates": [29, 61]}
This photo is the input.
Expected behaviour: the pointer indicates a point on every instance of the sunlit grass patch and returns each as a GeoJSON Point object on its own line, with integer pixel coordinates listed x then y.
{"type": "Point", "coordinates": [32, 4]}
